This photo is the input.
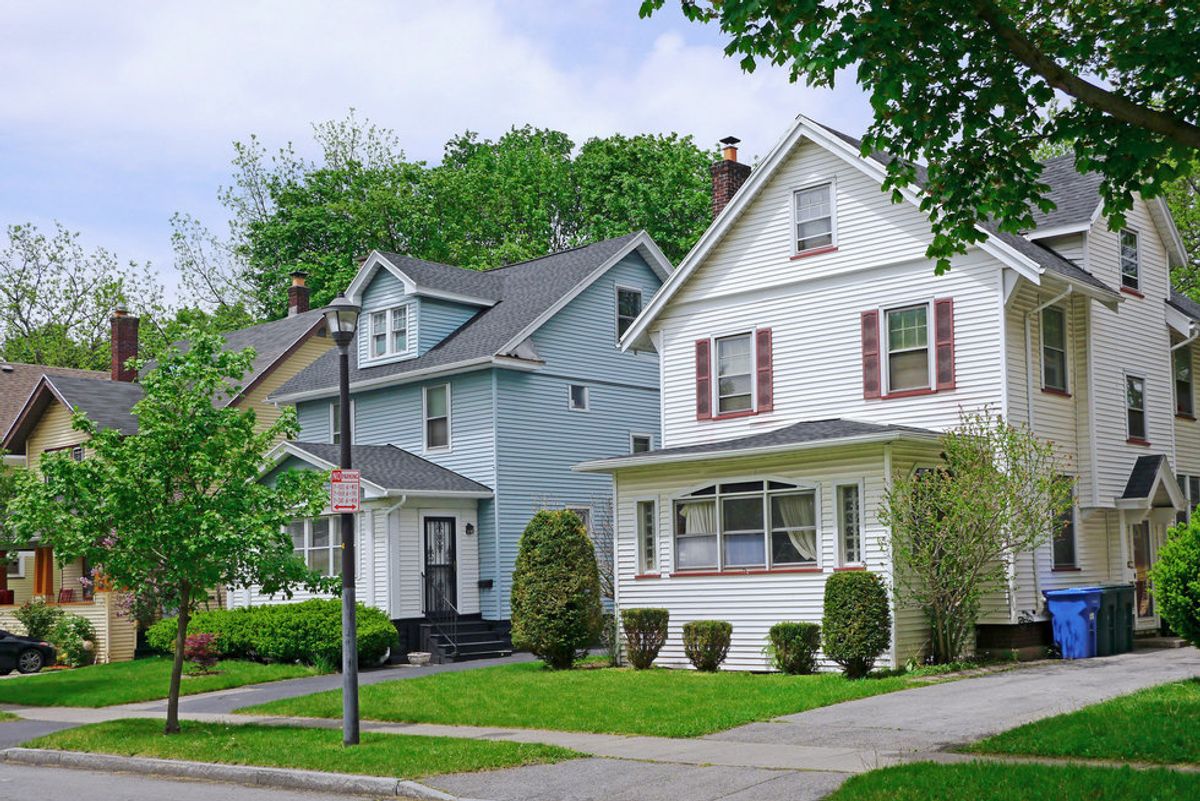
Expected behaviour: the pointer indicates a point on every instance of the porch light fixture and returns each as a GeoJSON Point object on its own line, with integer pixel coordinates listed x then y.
{"type": "Point", "coordinates": [470, 529]}
{"type": "Point", "coordinates": [341, 317]}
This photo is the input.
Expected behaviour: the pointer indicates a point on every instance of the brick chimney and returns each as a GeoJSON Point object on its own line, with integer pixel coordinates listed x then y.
{"type": "Point", "coordinates": [298, 294]}
{"type": "Point", "coordinates": [728, 175]}
{"type": "Point", "coordinates": [124, 345]}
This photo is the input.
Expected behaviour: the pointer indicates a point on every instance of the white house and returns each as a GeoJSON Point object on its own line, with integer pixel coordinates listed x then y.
{"type": "Point", "coordinates": [808, 352]}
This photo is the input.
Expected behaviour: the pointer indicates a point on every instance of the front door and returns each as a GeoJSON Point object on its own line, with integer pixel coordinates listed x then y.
{"type": "Point", "coordinates": [441, 566]}
{"type": "Point", "coordinates": [1143, 557]}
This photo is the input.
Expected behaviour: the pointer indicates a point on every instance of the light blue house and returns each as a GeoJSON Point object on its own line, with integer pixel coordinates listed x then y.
{"type": "Point", "coordinates": [473, 395]}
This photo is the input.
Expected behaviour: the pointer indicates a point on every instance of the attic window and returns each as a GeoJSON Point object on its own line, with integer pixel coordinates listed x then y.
{"type": "Point", "coordinates": [813, 209]}
{"type": "Point", "coordinates": [1129, 260]}
{"type": "Point", "coordinates": [389, 332]}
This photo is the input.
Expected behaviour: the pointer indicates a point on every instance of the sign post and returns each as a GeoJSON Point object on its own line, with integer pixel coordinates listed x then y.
{"type": "Point", "coordinates": [344, 491]}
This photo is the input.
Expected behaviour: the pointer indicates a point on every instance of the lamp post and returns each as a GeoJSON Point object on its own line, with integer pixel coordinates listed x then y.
{"type": "Point", "coordinates": [341, 318]}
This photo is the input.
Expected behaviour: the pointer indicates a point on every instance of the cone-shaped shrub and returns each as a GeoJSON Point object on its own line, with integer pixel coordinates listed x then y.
{"type": "Point", "coordinates": [706, 642]}
{"type": "Point", "coordinates": [556, 589]}
{"type": "Point", "coordinates": [858, 621]}
{"type": "Point", "coordinates": [645, 633]}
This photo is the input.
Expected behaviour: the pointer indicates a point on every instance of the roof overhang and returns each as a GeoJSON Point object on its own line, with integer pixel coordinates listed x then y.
{"type": "Point", "coordinates": [257, 380]}
{"type": "Point", "coordinates": [1162, 487]}
{"type": "Point", "coordinates": [42, 395]}
{"type": "Point", "coordinates": [1061, 230]}
{"type": "Point", "coordinates": [377, 260]}
{"type": "Point", "coordinates": [667, 457]}
{"type": "Point", "coordinates": [1179, 322]}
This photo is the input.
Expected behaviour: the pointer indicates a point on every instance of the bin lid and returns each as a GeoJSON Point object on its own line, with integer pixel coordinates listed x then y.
{"type": "Point", "coordinates": [1072, 592]}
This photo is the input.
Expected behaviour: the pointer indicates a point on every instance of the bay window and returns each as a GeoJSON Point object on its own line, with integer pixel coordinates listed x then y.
{"type": "Point", "coordinates": [746, 525]}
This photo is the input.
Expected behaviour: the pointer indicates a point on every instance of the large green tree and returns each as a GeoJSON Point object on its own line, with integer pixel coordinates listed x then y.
{"type": "Point", "coordinates": [176, 509]}
{"type": "Point", "coordinates": [966, 87]}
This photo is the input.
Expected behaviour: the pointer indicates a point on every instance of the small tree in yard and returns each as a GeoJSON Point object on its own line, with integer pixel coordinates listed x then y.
{"type": "Point", "coordinates": [556, 589]}
{"type": "Point", "coordinates": [955, 528]}
{"type": "Point", "coordinates": [1176, 579]}
{"type": "Point", "coordinates": [177, 508]}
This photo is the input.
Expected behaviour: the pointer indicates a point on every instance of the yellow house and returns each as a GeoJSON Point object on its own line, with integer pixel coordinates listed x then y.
{"type": "Point", "coordinates": [43, 425]}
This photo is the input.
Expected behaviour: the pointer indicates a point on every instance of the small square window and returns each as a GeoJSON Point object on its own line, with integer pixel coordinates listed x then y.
{"type": "Point", "coordinates": [639, 443]}
{"type": "Point", "coordinates": [577, 398]}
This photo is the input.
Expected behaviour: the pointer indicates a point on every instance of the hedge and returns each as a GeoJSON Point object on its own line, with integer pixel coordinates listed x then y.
{"type": "Point", "coordinates": [706, 643]}
{"type": "Point", "coordinates": [858, 621]}
{"type": "Point", "coordinates": [645, 633]}
{"type": "Point", "coordinates": [793, 647]}
{"type": "Point", "coordinates": [309, 632]}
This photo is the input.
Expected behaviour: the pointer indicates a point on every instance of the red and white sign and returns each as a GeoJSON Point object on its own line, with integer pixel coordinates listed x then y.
{"type": "Point", "coordinates": [344, 490]}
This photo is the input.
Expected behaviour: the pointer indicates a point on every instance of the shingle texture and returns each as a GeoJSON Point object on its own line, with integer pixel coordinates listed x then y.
{"type": "Point", "coordinates": [1141, 478]}
{"type": "Point", "coordinates": [807, 432]}
{"type": "Point", "coordinates": [523, 292]}
{"type": "Point", "coordinates": [395, 469]}
{"type": "Point", "coordinates": [106, 403]}
{"type": "Point", "coordinates": [18, 380]}
{"type": "Point", "coordinates": [1185, 304]}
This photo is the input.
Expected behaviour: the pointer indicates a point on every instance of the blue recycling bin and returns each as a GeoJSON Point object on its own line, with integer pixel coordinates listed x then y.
{"type": "Point", "coordinates": [1073, 617]}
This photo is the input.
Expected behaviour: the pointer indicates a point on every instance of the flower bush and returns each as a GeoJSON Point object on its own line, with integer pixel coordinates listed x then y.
{"type": "Point", "coordinates": [39, 618]}
{"type": "Point", "coordinates": [201, 651]}
{"type": "Point", "coordinates": [75, 639]}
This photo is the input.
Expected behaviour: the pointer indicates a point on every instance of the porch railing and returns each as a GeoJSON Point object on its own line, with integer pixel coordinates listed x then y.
{"type": "Point", "coordinates": [441, 613]}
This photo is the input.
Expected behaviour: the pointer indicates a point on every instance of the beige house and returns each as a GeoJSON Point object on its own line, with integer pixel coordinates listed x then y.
{"type": "Point", "coordinates": [42, 424]}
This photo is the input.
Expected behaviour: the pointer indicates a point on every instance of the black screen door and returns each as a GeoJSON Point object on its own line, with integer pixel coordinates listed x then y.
{"type": "Point", "coordinates": [441, 570]}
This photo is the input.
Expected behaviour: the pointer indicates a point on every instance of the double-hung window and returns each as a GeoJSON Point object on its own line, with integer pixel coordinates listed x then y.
{"type": "Point", "coordinates": [629, 306]}
{"type": "Point", "coordinates": [1130, 277]}
{"type": "Point", "coordinates": [1135, 408]}
{"type": "Point", "coordinates": [1064, 537]}
{"type": "Point", "coordinates": [1054, 349]}
{"type": "Point", "coordinates": [437, 417]}
{"type": "Point", "coordinates": [746, 525]}
{"type": "Point", "coordinates": [908, 348]}
{"type": "Point", "coordinates": [735, 374]}
{"type": "Point", "coordinates": [849, 510]}
{"type": "Point", "coordinates": [1181, 362]}
{"type": "Point", "coordinates": [814, 217]}
{"type": "Point", "coordinates": [318, 542]}
{"type": "Point", "coordinates": [389, 332]}
{"type": "Point", "coordinates": [647, 523]}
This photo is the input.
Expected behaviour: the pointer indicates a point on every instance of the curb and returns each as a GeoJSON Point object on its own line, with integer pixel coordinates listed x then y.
{"type": "Point", "coordinates": [280, 778]}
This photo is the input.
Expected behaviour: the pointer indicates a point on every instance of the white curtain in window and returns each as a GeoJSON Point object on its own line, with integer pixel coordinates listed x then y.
{"type": "Point", "coordinates": [797, 511]}
{"type": "Point", "coordinates": [699, 517]}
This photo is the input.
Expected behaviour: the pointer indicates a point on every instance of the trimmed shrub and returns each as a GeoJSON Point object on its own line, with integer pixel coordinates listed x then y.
{"type": "Point", "coordinates": [75, 639]}
{"type": "Point", "coordinates": [706, 643]}
{"type": "Point", "coordinates": [858, 621]}
{"type": "Point", "coordinates": [556, 590]}
{"type": "Point", "coordinates": [1174, 576]}
{"type": "Point", "coordinates": [201, 651]}
{"type": "Point", "coordinates": [793, 647]}
{"type": "Point", "coordinates": [309, 632]}
{"type": "Point", "coordinates": [645, 634]}
{"type": "Point", "coordinates": [39, 618]}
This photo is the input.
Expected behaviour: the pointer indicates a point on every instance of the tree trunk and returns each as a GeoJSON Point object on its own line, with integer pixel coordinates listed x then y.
{"type": "Point", "coordinates": [185, 616]}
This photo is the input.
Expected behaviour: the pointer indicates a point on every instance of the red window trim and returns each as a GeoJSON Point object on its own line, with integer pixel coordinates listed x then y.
{"type": "Point", "coordinates": [644, 576]}
{"type": "Point", "coordinates": [804, 254]}
{"type": "Point", "coordinates": [1066, 569]}
{"type": "Point", "coordinates": [752, 571]}
{"type": "Point", "coordinates": [849, 568]}
{"type": "Point", "coordinates": [1137, 441]}
{"type": "Point", "coordinates": [910, 393]}
{"type": "Point", "coordinates": [1062, 393]}
{"type": "Point", "coordinates": [1131, 291]}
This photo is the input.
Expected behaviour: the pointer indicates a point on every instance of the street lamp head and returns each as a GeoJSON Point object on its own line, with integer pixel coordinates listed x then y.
{"type": "Point", "coordinates": [341, 316]}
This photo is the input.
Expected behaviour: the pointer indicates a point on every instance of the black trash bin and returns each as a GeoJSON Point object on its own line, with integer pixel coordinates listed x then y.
{"type": "Point", "coordinates": [1114, 620]}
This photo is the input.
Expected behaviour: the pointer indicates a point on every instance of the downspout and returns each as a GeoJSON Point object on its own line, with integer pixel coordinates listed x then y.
{"type": "Point", "coordinates": [1193, 331]}
{"type": "Point", "coordinates": [1037, 583]}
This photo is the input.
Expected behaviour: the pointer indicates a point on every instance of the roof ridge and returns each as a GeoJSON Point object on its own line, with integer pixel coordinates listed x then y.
{"type": "Point", "coordinates": [560, 252]}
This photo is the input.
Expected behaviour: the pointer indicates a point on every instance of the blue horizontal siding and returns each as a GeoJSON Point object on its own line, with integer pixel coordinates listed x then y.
{"type": "Point", "coordinates": [314, 420]}
{"type": "Point", "coordinates": [439, 319]}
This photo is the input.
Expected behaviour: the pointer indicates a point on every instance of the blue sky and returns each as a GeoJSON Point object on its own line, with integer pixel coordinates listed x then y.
{"type": "Point", "coordinates": [115, 115]}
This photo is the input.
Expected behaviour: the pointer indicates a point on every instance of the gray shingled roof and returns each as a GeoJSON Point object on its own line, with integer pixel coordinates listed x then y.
{"type": "Point", "coordinates": [805, 433]}
{"type": "Point", "coordinates": [1184, 304]}
{"type": "Point", "coordinates": [524, 290]}
{"type": "Point", "coordinates": [18, 380]}
{"type": "Point", "coordinates": [107, 403]}
{"type": "Point", "coordinates": [1069, 193]}
{"type": "Point", "coordinates": [1075, 196]}
{"type": "Point", "coordinates": [395, 469]}
{"type": "Point", "coordinates": [446, 278]}
{"type": "Point", "coordinates": [1141, 478]}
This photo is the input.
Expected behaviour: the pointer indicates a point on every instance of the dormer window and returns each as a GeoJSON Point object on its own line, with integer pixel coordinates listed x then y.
{"type": "Point", "coordinates": [389, 332]}
{"type": "Point", "coordinates": [1130, 279]}
{"type": "Point", "coordinates": [814, 219]}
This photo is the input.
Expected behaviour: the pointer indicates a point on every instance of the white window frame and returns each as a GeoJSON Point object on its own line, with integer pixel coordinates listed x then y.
{"type": "Point", "coordinates": [1137, 258]}
{"type": "Point", "coordinates": [334, 547]}
{"type": "Point", "coordinates": [617, 290]}
{"type": "Point", "coordinates": [334, 422]}
{"type": "Point", "coordinates": [587, 398]}
{"type": "Point", "coordinates": [1125, 404]}
{"type": "Point", "coordinates": [831, 182]}
{"type": "Point", "coordinates": [1065, 350]}
{"type": "Point", "coordinates": [425, 419]}
{"type": "Point", "coordinates": [885, 347]}
{"type": "Point", "coordinates": [714, 370]}
{"type": "Point", "coordinates": [18, 558]}
{"type": "Point", "coordinates": [1186, 351]}
{"type": "Point", "coordinates": [638, 435]}
{"type": "Point", "coordinates": [389, 352]}
{"type": "Point", "coordinates": [644, 569]}
{"type": "Point", "coordinates": [1059, 522]}
{"type": "Point", "coordinates": [859, 486]}
{"type": "Point", "coordinates": [795, 487]}
{"type": "Point", "coordinates": [586, 517]}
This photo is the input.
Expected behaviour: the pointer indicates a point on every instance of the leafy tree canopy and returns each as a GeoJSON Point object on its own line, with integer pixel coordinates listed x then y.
{"type": "Point", "coordinates": [489, 202]}
{"type": "Point", "coordinates": [966, 86]}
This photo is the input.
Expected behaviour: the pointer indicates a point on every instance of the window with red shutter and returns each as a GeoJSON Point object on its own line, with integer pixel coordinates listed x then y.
{"type": "Point", "coordinates": [943, 341]}
{"type": "Point", "coordinates": [703, 379]}
{"type": "Point", "coordinates": [870, 354]}
{"type": "Point", "coordinates": [764, 368]}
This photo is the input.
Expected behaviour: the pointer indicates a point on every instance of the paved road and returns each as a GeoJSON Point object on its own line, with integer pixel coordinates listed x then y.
{"type": "Point", "coordinates": [21, 782]}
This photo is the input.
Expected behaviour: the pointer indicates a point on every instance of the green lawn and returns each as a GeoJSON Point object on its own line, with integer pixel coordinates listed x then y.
{"type": "Point", "coordinates": [139, 680]}
{"type": "Point", "coordinates": [397, 755]}
{"type": "Point", "coordinates": [1154, 725]}
{"type": "Point", "coordinates": [666, 703]}
{"type": "Point", "coordinates": [1011, 782]}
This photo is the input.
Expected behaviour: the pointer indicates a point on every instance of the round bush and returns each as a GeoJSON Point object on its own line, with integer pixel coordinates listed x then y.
{"type": "Point", "coordinates": [858, 621]}
{"type": "Point", "coordinates": [556, 590]}
{"type": "Point", "coordinates": [706, 643]}
{"type": "Point", "coordinates": [793, 647]}
{"type": "Point", "coordinates": [309, 632]}
{"type": "Point", "coordinates": [1176, 579]}
{"type": "Point", "coordinates": [645, 633]}
{"type": "Point", "coordinates": [75, 639]}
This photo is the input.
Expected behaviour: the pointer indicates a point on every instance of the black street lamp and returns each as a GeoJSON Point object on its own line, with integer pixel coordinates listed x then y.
{"type": "Point", "coordinates": [341, 318]}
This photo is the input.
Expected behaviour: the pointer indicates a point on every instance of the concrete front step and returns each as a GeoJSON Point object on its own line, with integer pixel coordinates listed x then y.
{"type": "Point", "coordinates": [1159, 642]}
